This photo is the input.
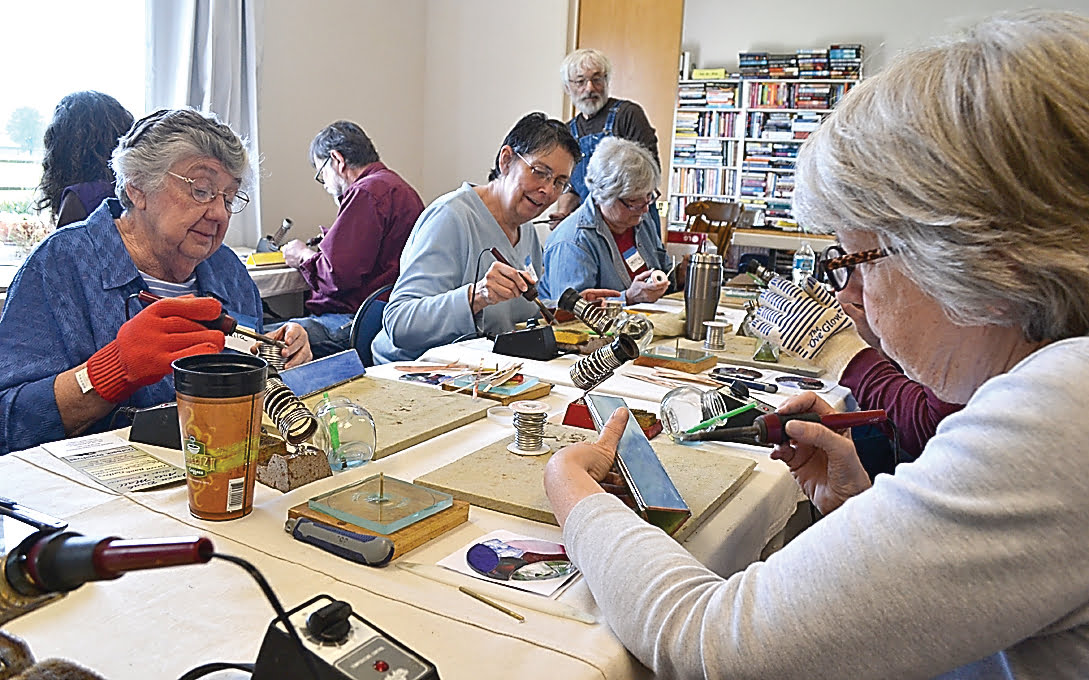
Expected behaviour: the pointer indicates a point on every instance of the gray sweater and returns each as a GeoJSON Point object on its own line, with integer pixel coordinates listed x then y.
{"type": "Point", "coordinates": [972, 561]}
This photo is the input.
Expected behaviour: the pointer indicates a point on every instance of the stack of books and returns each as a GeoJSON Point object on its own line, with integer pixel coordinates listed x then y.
{"type": "Point", "coordinates": [753, 64]}
{"type": "Point", "coordinates": [691, 95]}
{"type": "Point", "coordinates": [782, 66]}
{"type": "Point", "coordinates": [804, 124]}
{"type": "Point", "coordinates": [813, 64]}
{"type": "Point", "coordinates": [845, 61]}
{"type": "Point", "coordinates": [721, 95]}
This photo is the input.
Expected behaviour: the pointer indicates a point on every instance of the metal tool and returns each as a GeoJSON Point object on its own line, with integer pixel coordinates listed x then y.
{"type": "Point", "coordinates": [770, 428]}
{"type": "Point", "coordinates": [373, 551]}
{"type": "Point", "coordinates": [224, 323]}
{"type": "Point", "coordinates": [531, 288]}
{"type": "Point", "coordinates": [594, 316]}
{"type": "Point", "coordinates": [771, 388]}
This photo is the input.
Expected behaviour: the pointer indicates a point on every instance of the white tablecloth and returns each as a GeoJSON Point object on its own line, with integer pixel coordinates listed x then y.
{"type": "Point", "coordinates": [158, 624]}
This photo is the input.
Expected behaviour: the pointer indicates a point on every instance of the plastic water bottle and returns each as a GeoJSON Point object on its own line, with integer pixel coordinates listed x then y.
{"type": "Point", "coordinates": [805, 263]}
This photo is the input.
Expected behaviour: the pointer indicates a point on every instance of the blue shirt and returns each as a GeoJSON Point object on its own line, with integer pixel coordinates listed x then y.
{"type": "Point", "coordinates": [429, 304]}
{"type": "Point", "coordinates": [581, 253]}
{"type": "Point", "coordinates": [68, 301]}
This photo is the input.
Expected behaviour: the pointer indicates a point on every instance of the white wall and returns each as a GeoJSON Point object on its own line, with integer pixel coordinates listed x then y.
{"type": "Point", "coordinates": [716, 30]}
{"type": "Point", "coordinates": [435, 83]}
{"type": "Point", "coordinates": [325, 60]}
{"type": "Point", "coordinates": [489, 62]}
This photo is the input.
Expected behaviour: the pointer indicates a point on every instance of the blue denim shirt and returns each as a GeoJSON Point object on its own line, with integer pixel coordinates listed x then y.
{"type": "Point", "coordinates": [68, 301]}
{"type": "Point", "coordinates": [581, 253]}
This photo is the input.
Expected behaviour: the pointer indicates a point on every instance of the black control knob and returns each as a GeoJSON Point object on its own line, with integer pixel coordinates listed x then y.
{"type": "Point", "coordinates": [330, 623]}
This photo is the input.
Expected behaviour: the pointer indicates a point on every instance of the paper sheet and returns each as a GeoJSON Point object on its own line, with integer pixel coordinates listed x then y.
{"type": "Point", "coordinates": [115, 463]}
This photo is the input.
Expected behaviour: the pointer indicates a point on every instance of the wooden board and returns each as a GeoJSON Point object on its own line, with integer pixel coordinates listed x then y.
{"type": "Point", "coordinates": [740, 348]}
{"type": "Point", "coordinates": [404, 540]}
{"type": "Point", "coordinates": [406, 414]}
{"type": "Point", "coordinates": [684, 366]}
{"type": "Point", "coordinates": [541, 389]}
{"type": "Point", "coordinates": [497, 479]}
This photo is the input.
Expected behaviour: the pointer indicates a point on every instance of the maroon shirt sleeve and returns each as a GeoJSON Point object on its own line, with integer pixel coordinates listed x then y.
{"type": "Point", "coordinates": [340, 262]}
{"type": "Point", "coordinates": [914, 409]}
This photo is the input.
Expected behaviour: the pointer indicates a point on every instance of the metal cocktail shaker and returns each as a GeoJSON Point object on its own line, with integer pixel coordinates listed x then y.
{"type": "Point", "coordinates": [701, 293]}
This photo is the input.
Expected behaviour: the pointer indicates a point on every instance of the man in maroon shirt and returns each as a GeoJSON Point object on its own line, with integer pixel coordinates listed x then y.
{"type": "Point", "coordinates": [360, 253]}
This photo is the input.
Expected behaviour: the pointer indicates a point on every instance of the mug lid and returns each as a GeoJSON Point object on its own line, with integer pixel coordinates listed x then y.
{"type": "Point", "coordinates": [220, 375]}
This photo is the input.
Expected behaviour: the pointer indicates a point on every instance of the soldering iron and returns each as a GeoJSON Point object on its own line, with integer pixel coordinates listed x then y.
{"type": "Point", "coordinates": [531, 288]}
{"type": "Point", "coordinates": [770, 428]}
{"type": "Point", "coordinates": [223, 323]}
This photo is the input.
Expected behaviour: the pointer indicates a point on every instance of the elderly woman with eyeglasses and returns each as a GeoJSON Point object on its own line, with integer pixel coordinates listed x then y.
{"type": "Point", "coordinates": [960, 177]}
{"type": "Point", "coordinates": [440, 295]}
{"type": "Point", "coordinates": [76, 344]}
{"type": "Point", "coordinates": [610, 241]}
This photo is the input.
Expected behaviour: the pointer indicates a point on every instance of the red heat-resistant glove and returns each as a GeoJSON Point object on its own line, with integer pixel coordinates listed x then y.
{"type": "Point", "coordinates": [147, 343]}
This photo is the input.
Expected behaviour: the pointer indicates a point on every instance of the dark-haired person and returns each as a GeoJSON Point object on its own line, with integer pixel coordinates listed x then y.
{"type": "Point", "coordinates": [361, 252]}
{"type": "Point", "coordinates": [438, 297]}
{"type": "Point", "coordinates": [76, 174]}
{"type": "Point", "coordinates": [76, 345]}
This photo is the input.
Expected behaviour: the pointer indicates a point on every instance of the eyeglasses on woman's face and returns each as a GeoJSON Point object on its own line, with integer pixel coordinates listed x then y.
{"type": "Point", "coordinates": [204, 192]}
{"type": "Point", "coordinates": [544, 174]}
{"type": "Point", "coordinates": [639, 205]}
{"type": "Point", "coordinates": [836, 264]}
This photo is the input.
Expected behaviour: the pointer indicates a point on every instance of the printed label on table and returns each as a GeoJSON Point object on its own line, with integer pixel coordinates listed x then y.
{"type": "Point", "coordinates": [115, 463]}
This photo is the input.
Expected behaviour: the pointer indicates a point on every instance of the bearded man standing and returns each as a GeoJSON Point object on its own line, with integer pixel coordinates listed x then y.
{"type": "Point", "coordinates": [585, 76]}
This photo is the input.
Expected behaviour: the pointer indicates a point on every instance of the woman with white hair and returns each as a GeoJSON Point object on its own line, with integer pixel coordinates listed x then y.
{"type": "Point", "coordinates": [957, 182]}
{"type": "Point", "coordinates": [77, 345]}
{"type": "Point", "coordinates": [610, 241]}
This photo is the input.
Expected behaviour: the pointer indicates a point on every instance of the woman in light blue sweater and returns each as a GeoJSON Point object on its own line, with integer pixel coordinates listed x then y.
{"type": "Point", "coordinates": [441, 295]}
{"type": "Point", "coordinates": [958, 182]}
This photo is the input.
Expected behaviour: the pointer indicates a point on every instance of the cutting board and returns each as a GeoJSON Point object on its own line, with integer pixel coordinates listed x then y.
{"type": "Point", "coordinates": [406, 414]}
{"type": "Point", "coordinates": [495, 478]}
{"type": "Point", "coordinates": [739, 351]}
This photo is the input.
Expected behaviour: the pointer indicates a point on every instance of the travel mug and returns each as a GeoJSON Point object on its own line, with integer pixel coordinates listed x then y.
{"type": "Point", "coordinates": [220, 397]}
{"type": "Point", "coordinates": [701, 293]}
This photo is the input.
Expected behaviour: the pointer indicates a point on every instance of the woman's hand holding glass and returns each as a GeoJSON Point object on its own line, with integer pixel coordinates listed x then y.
{"type": "Point", "coordinates": [823, 462]}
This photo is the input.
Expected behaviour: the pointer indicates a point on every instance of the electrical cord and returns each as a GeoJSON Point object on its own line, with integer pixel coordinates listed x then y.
{"type": "Point", "coordinates": [472, 295]}
{"type": "Point", "coordinates": [281, 615]}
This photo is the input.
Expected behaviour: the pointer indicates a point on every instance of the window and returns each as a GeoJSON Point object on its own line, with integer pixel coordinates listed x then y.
{"type": "Point", "coordinates": [51, 48]}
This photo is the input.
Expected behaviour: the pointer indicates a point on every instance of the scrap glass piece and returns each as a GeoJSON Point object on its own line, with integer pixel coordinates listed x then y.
{"type": "Point", "coordinates": [381, 504]}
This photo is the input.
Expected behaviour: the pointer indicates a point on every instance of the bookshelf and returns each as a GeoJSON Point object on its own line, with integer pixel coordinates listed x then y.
{"type": "Point", "coordinates": [742, 147]}
{"type": "Point", "coordinates": [736, 138]}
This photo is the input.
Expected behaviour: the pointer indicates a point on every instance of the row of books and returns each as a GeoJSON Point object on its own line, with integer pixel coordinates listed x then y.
{"type": "Point", "coordinates": [767, 185]}
{"type": "Point", "coordinates": [703, 151]}
{"type": "Point", "coordinates": [838, 61]}
{"type": "Point", "coordinates": [715, 95]}
{"type": "Point", "coordinates": [706, 124]}
{"type": "Point", "coordinates": [782, 126]}
{"type": "Point", "coordinates": [797, 95]}
{"type": "Point", "coordinates": [704, 181]}
{"type": "Point", "coordinates": [777, 214]}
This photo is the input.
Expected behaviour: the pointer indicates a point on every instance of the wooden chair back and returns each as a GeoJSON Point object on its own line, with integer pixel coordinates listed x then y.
{"type": "Point", "coordinates": [717, 219]}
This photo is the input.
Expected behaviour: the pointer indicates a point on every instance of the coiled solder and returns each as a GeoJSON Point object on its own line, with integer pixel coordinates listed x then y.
{"type": "Point", "coordinates": [529, 422]}
{"type": "Point", "coordinates": [295, 422]}
{"type": "Point", "coordinates": [598, 366]}
{"type": "Point", "coordinates": [596, 317]}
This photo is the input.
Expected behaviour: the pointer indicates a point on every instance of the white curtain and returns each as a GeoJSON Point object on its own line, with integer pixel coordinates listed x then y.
{"type": "Point", "coordinates": [203, 54]}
